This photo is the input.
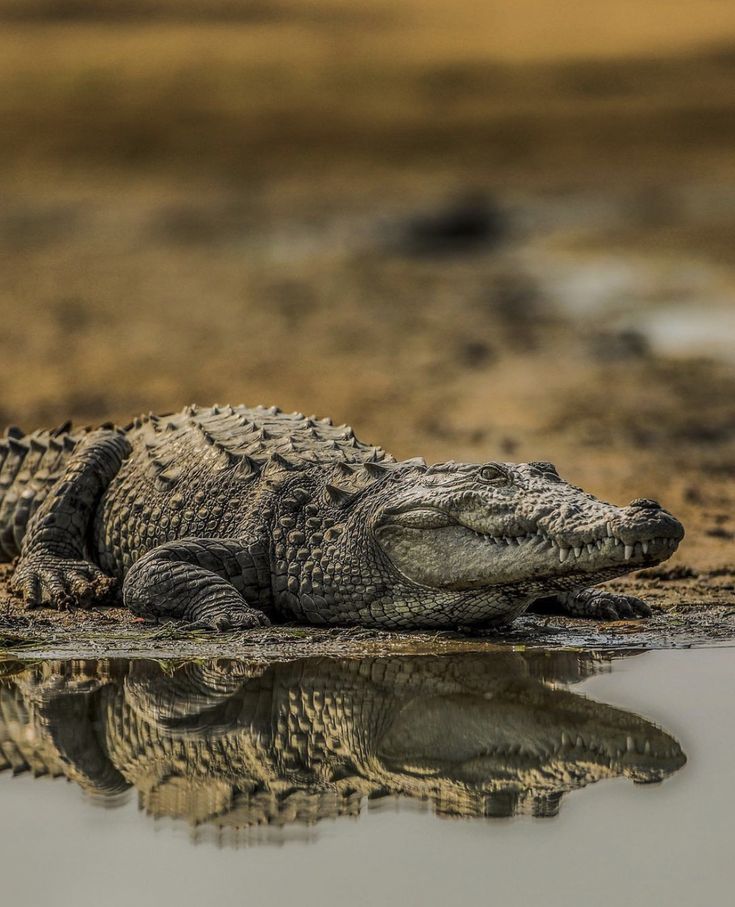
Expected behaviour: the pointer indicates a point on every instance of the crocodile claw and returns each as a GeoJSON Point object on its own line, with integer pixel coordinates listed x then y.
{"type": "Point", "coordinates": [599, 604]}
{"type": "Point", "coordinates": [231, 621]}
{"type": "Point", "coordinates": [58, 583]}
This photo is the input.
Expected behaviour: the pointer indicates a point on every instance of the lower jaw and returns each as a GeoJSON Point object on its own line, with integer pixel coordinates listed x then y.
{"type": "Point", "coordinates": [575, 568]}
{"type": "Point", "coordinates": [546, 584]}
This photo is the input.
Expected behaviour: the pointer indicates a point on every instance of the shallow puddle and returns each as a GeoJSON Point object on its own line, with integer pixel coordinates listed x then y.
{"type": "Point", "coordinates": [395, 779]}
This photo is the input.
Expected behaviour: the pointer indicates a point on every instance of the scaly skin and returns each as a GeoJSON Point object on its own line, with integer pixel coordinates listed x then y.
{"type": "Point", "coordinates": [235, 517]}
{"type": "Point", "coordinates": [239, 745]}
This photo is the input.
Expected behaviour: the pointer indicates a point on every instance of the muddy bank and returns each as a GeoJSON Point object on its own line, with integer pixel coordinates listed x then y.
{"type": "Point", "coordinates": [688, 611]}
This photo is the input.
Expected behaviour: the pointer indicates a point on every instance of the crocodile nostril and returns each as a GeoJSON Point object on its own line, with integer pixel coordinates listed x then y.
{"type": "Point", "coordinates": [644, 504]}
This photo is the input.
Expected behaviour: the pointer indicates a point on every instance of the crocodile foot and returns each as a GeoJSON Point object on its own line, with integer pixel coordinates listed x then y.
{"type": "Point", "coordinates": [45, 579]}
{"type": "Point", "coordinates": [600, 604]}
{"type": "Point", "coordinates": [226, 620]}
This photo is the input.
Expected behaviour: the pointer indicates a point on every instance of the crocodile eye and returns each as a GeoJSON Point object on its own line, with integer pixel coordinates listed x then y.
{"type": "Point", "coordinates": [494, 474]}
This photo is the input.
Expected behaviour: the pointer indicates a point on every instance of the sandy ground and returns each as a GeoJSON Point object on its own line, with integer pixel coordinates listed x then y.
{"type": "Point", "coordinates": [475, 243]}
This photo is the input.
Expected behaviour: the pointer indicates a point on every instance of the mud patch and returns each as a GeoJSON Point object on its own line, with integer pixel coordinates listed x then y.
{"type": "Point", "coordinates": [681, 627]}
{"type": "Point", "coordinates": [689, 610]}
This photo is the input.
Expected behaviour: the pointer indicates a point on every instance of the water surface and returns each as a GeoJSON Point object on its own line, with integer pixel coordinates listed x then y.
{"type": "Point", "coordinates": [403, 779]}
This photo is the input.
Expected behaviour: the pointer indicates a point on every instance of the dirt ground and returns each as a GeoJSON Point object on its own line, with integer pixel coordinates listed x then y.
{"type": "Point", "coordinates": [510, 241]}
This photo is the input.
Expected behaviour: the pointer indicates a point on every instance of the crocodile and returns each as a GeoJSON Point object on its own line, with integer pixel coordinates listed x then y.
{"type": "Point", "coordinates": [233, 517]}
{"type": "Point", "coordinates": [232, 744]}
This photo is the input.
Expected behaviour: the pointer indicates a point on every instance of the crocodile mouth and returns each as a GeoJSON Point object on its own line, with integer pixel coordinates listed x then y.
{"type": "Point", "coordinates": [636, 759]}
{"type": "Point", "coordinates": [436, 536]}
{"type": "Point", "coordinates": [482, 745]}
{"type": "Point", "coordinates": [610, 548]}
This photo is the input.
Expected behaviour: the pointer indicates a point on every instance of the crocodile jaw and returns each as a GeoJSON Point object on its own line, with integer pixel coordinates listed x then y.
{"type": "Point", "coordinates": [545, 736]}
{"type": "Point", "coordinates": [434, 549]}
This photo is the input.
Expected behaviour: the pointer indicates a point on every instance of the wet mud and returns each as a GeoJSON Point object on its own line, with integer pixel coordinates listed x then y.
{"type": "Point", "coordinates": [689, 612]}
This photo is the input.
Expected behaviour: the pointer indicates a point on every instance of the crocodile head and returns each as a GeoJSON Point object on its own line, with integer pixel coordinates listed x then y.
{"type": "Point", "coordinates": [515, 746]}
{"type": "Point", "coordinates": [503, 534]}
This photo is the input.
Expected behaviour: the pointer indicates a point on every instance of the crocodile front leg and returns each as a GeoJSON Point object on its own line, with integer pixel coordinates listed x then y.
{"type": "Point", "coordinates": [211, 583]}
{"type": "Point", "coordinates": [54, 566]}
{"type": "Point", "coordinates": [595, 603]}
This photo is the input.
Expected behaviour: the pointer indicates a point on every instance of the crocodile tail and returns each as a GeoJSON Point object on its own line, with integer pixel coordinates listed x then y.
{"type": "Point", "coordinates": [29, 466]}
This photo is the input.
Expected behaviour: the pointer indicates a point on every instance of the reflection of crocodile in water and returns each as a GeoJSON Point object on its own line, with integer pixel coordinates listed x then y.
{"type": "Point", "coordinates": [236, 746]}
{"type": "Point", "coordinates": [232, 517]}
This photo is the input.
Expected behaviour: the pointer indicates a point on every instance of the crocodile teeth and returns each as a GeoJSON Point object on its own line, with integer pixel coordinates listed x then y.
{"type": "Point", "coordinates": [563, 554]}
{"type": "Point", "coordinates": [609, 530]}
{"type": "Point", "coordinates": [644, 546]}
{"type": "Point", "coordinates": [628, 552]}
{"type": "Point", "coordinates": [590, 547]}
{"type": "Point", "coordinates": [630, 744]}
{"type": "Point", "coordinates": [577, 551]}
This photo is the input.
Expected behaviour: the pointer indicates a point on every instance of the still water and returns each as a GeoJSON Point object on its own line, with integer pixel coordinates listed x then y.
{"type": "Point", "coordinates": [504, 778]}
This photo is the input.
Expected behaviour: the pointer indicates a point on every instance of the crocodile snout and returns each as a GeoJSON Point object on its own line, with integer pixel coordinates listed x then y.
{"type": "Point", "coordinates": [645, 519]}
{"type": "Point", "coordinates": [644, 504]}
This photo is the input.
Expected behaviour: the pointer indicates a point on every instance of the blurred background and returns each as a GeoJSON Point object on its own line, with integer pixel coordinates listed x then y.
{"type": "Point", "coordinates": [472, 230]}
